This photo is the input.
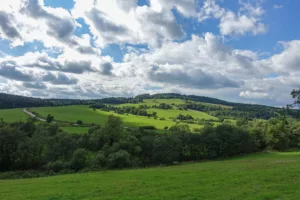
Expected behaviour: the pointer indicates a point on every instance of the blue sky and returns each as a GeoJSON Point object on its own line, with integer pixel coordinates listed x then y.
{"type": "Point", "coordinates": [237, 50]}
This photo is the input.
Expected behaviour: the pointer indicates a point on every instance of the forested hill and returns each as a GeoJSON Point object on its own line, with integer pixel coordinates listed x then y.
{"type": "Point", "coordinates": [16, 101]}
{"type": "Point", "coordinates": [237, 109]}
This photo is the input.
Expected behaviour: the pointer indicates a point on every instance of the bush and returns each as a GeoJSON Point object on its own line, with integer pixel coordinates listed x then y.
{"type": "Point", "coordinates": [57, 166]}
{"type": "Point", "coordinates": [119, 159]}
{"type": "Point", "coordinates": [79, 122]}
{"type": "Point", "coordinates": [79, 159]}
{"type": "Point", "coordinates": [147, 127]}
{"type": "Point", "coordinates": [99, 161]}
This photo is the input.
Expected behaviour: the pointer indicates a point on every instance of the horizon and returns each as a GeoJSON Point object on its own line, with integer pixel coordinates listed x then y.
{"type": "Point", "coordinates": [237, 51]}
{"type": "Point", "coordinates": [95, 98]}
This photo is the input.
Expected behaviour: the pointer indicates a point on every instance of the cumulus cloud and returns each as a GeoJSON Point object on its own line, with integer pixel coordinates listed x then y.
{"type": "Point", "coordinates": [191, 78]}
{"type": "Point", "coordinates": [7, 27]}
{"type": "Point", "coordinates": [10, 71]}
{"type": "Point", "coordinates": [247, 20]}
{"type": "Point", "coordinates": [59, 79]}
{"type": "Point", "coordinates": [106, 69]}
{"type": "Point", "coordinates": [35, 85]}
{"type": "Point", "coordinates": [289, 58]}
{"type": "Point", "coordinates": [76, 67]}
{"type": "Point", "coordinates": [60, 27]}
{"type": "Point", "coordinates": [112, 22]}
{"type": "Point", "coordinates": [254, 95]}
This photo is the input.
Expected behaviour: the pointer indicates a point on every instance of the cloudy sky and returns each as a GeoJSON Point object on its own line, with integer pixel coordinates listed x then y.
{"type": "Point", "coordinates": [236, 50]}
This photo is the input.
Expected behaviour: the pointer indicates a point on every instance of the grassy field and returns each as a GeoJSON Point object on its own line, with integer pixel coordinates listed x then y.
{"type": "Point", "coordinates": [87, 115]}
{"type": "Point", "coordinates": [13, 115]}
{"type": "Point", "coordinates": [265, 176]}
{"type": "Point", "coordinates": [73, 113]}
{"type": "Point", "coordinates": [173, 113]}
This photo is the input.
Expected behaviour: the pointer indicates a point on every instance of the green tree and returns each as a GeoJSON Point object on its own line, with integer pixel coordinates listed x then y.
{"type": "Point", "coordinates": [79, 159]}
{"type": "Point", "coordinates": [112, 130]}
{"type": "Point", "coordinates": [296, 95]}
{"type": "Point", "coordinates": [49, 118]}
{"type": "Point", "coordinates": [166, 149]}
{"type": "Point", "coordinates": [79, 122]}
{"type": "Point", "coordinates": [119, 159]}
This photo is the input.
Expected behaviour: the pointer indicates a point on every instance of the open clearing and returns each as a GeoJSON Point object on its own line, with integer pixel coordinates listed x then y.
{"type": "Point", "coordinates": [260, 176]}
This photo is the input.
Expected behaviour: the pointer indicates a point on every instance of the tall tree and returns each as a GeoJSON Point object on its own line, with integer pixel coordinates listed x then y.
{"type": "Point", "coordinates": [296, 95]}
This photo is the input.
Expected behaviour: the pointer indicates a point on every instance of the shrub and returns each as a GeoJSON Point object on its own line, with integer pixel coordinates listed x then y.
{"type": "Point", "coordinates": [119, 159]}
{"type": "Point", "coordinates": [99, 160]}
{"type": "Point", "coordinates": [79, 159]}
{"type": "Point", "coordinates": [57, 166]}
{"type": "Point", "coordinates": [79, 122]}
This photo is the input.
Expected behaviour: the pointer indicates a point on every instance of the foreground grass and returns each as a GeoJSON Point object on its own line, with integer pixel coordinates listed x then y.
{"type": "Point", "coordinates": [263, 176]}
{"type": "Point", "coordinates": [13, 115]}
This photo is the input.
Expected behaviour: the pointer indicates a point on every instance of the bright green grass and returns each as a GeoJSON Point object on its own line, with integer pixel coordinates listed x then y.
{"type": "Point", "coordinates": [134, 120]}
{"type": "Point", "coordinates": [266, 176]}
{"type": "Point", "coordinates": [72, 114]}
{"type": "Point", "coordinates": [173, 113]}
{"type": "Point", "coordinates": [87, 115]}
{"type": "Point", "coordinates": [13, 115]}
{"type": "Point", "coordinates": [152, 102]}
{"type": "Point", "coordinates": [75, 129]}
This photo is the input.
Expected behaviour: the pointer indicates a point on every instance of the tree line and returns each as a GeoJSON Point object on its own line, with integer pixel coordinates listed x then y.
{"type": "Point", "coordinates": [43, 147]}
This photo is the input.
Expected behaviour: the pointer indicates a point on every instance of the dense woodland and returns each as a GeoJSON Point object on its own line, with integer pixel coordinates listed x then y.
{"type": "Point", "coordinates": [44, 148]}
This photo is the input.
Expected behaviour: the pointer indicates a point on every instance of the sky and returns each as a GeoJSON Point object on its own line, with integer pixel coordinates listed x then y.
{"type": "Point", "coordinates": [236, 50]}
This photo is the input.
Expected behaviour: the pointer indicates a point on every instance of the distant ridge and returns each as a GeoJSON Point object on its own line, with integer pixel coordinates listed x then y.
{"type": "Point", "coordinates": [18, 101]}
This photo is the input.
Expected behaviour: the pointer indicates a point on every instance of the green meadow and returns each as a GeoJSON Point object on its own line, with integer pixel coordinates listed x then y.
{"type": "Point", "coordinates": [13, 115]}
{"type": "Point", "coordinates": [263, 176]}
{"type": "Point", "coordinates": [89, 116]}
{"type": "Point", "coordinates": [71, 114]}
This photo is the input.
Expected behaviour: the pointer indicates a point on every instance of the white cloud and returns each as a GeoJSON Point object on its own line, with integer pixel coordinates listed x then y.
{"type": "Point", "coordinates": [254, 95]}
{"type": "Point", "coordinates": [247, 20]}
{"type": "Point", "coordinates": [111, 22]}
{"type": "Point", "coordinates": [277, 6]}
{"type": "Point", "coordinates": [231, 24]}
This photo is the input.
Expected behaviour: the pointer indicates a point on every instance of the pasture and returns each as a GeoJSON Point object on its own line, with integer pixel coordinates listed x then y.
{"type": "Point", "coordinates": [71, 114]}
{"type": "Point", "coordinates": [90, 116]}
{"type": "Point", "coordinates": [13, 115]}
{"type": "Point", "coordinates": [263, 176]}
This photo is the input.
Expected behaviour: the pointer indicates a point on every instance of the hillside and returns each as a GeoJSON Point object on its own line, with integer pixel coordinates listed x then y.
{"type": "Point", "coordinates": [258, 176]}
{"type": "Point", "coordinates": [237, 109]}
